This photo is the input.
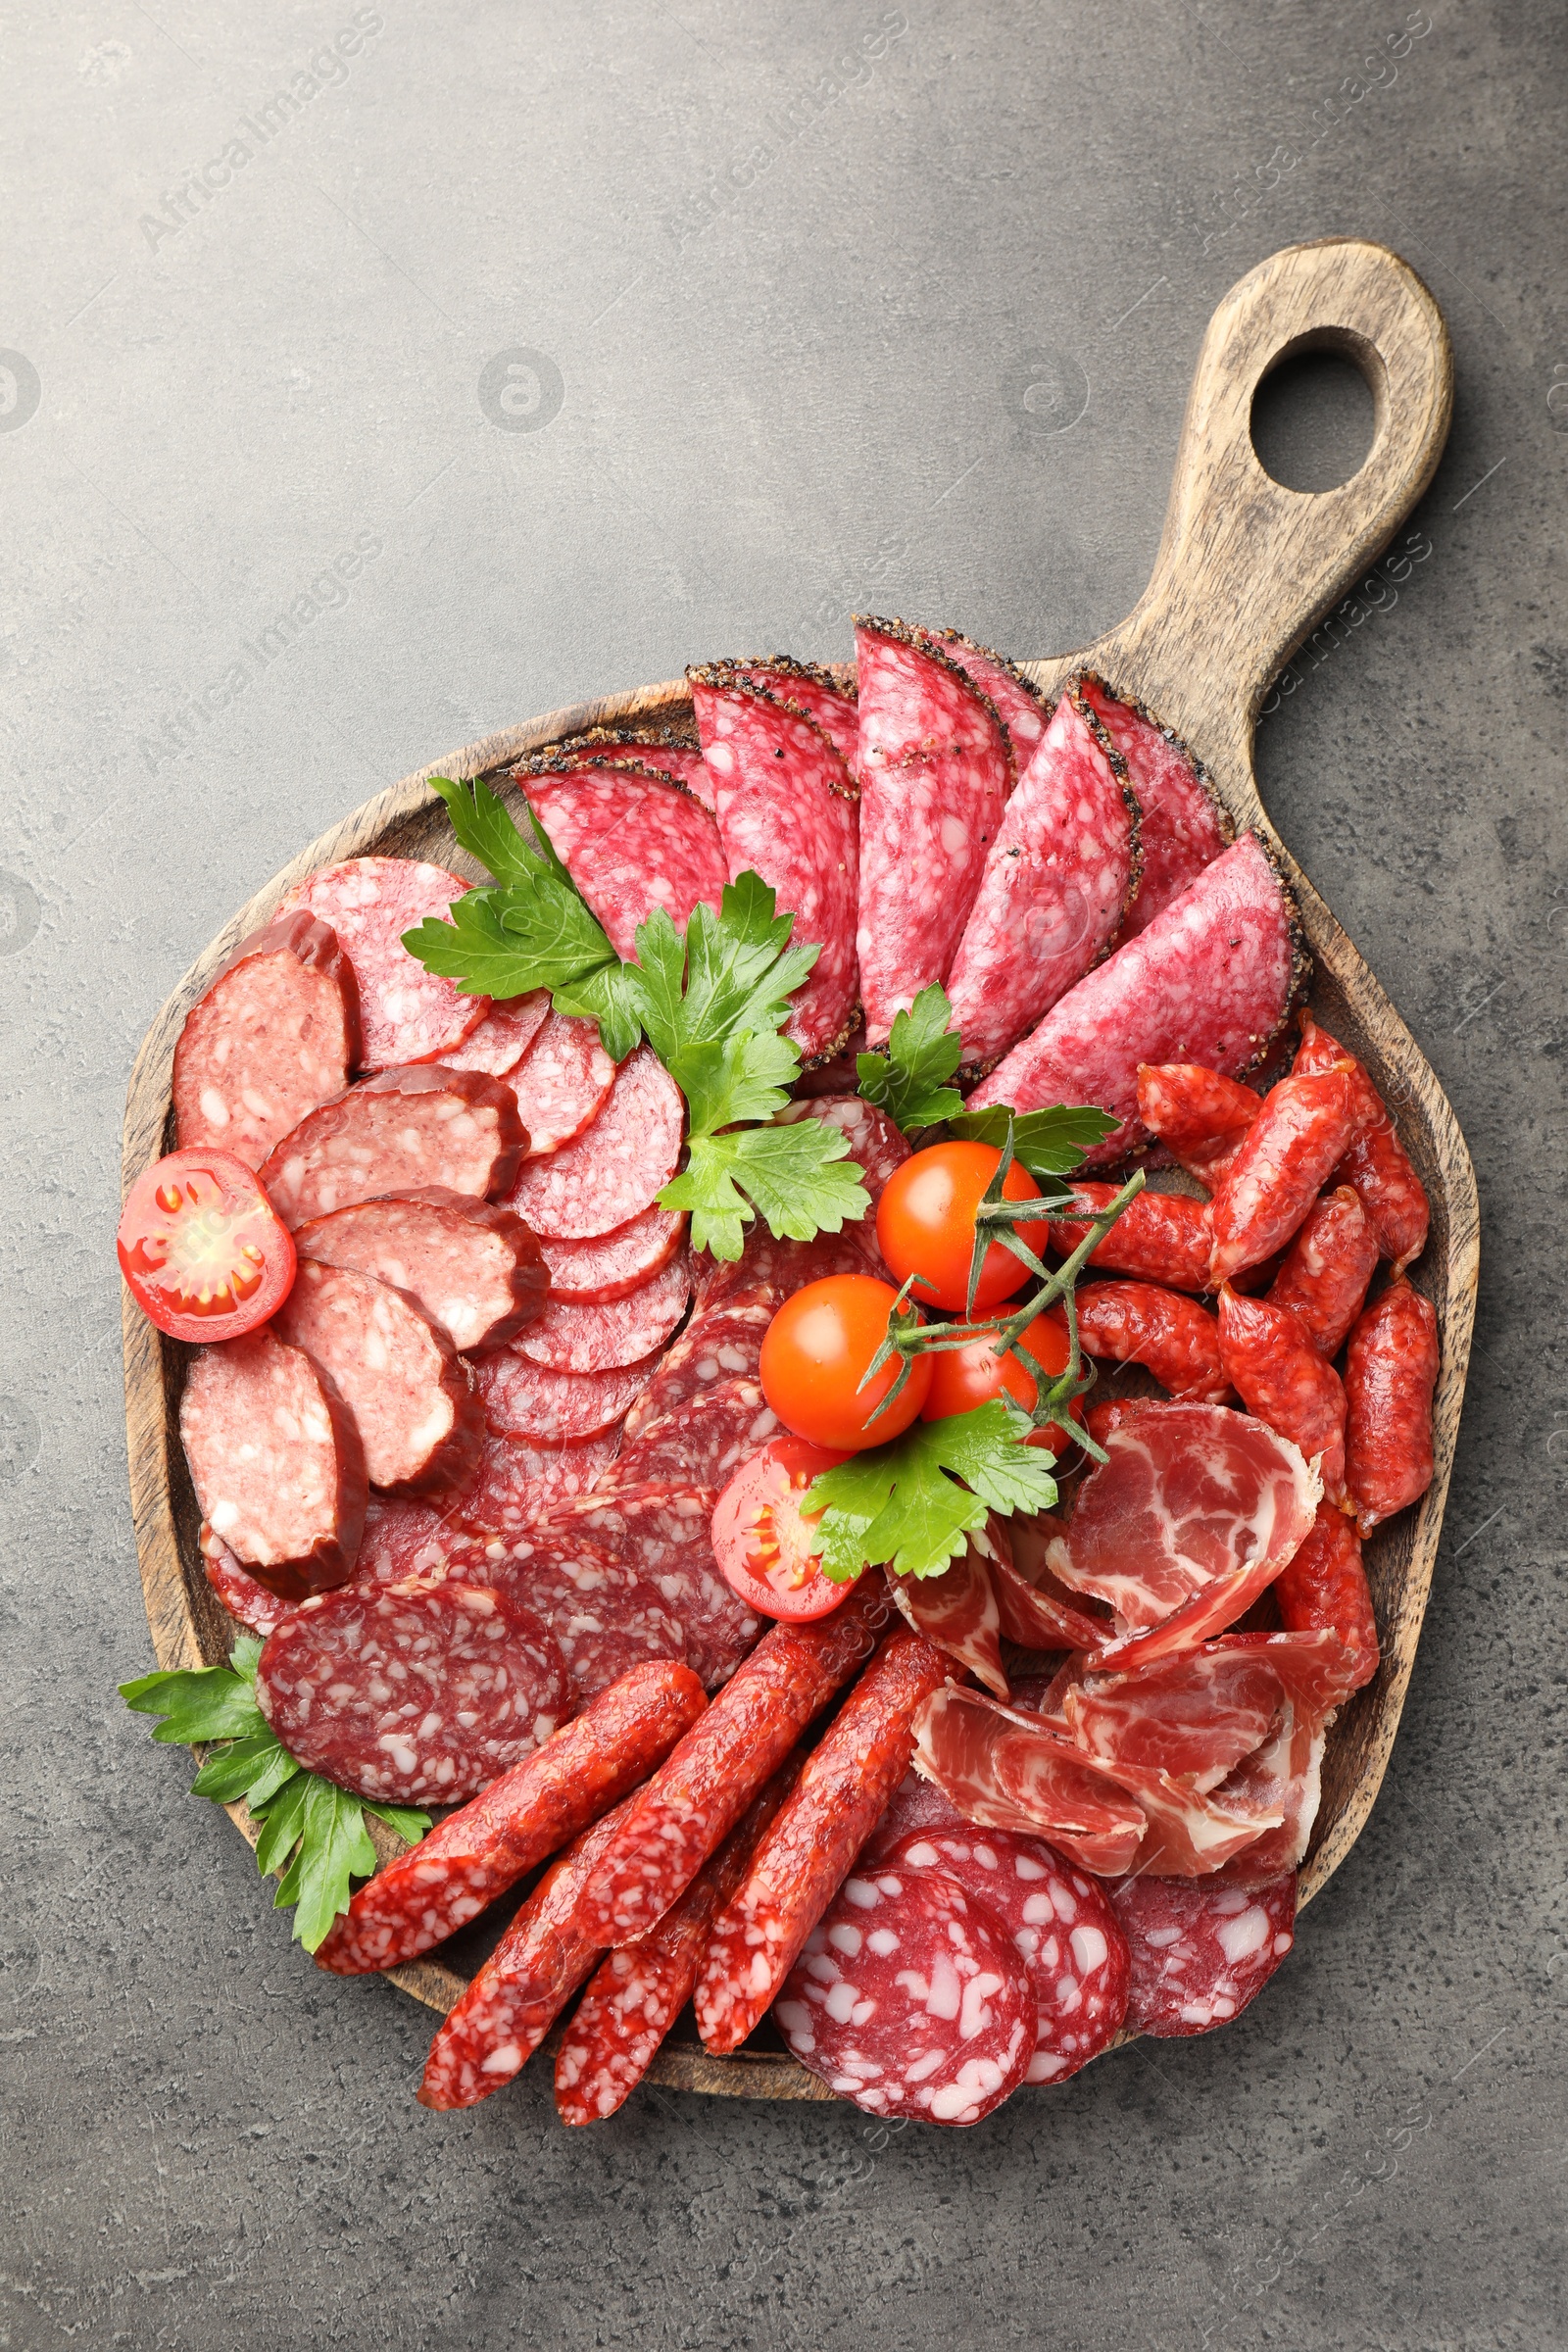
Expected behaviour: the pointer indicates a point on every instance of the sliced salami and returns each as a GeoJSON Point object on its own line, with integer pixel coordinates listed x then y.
{"type": "Point", "coordinates": [276, 1034]}
{"type": "Point", "coordinates": [786, 809]}
{"type": "Point", "coordinates": [542, 1407]}
{"type": "Point", "coordinates": [632, 840]}
{"type": "Point", "coordinates": [253, 1604]}
{"type": "Point", "coordinates": [611, 1265]}
{"type": "Point", "coordinates": [398, 1373]}
{"type": "Point", "coordinates": [407, 1538]}
{"type": "Point", "coordinates": [613, 1172]}
{"type": "Point", "coordinates": [935, 769]}
{"type": "Point", "coordinates": [518, 1484]}
{"type": "Point", "coordinates": [403, 1130]}
{"type": "Point", "coordinates": [276, 1462]}
{"type": "Point", "coordinates": [1200, 1950]}
{"type": "Point", "coordinates": [705, 1442]}
{"type": "Point", "coordinates": [718, 1348]}
{"type": "Point", "coordinates": [911, 2000]}
{"type": "Point", "coordinates": [603, 1616]}
{"type": "Point", "coordinates": [1020, 704]}
{"type": "Point", "coordinates": [662, 1531]}
{"type": "Point", "coordinates": [1212, 980]}
{"type": "Point", "coordinates": [406, 1013]}
{"type": "Point", "coordinates": [413, 1693]}
{"type": "Point", "coordinates": [503, 1037]}
{"type": "Point", "coordinates": [1184, 826]}
{"type": "Point", "coordinates": [772, 1270]}
{"type": "Point", "coordinates": [1057, 880]}
{"type": "Point", "coordinates": [814, 691]}
{"type": "Point", "coordinates": [473, 1266]}
{"type": "Point", "coordinates": [562, 1083]}
{"type": "Point", "coordinates": [607, 747]}
{"type": "Point", "coordinates": [876, 1146]}
{"type": "Point", "coordinates": [603, 1339]}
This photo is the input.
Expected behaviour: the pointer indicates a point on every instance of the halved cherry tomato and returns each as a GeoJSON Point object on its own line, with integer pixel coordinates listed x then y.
{"type": "Point", "coordinates": [925, 1225]}
{"type": "Point", "coordinates": [814, 1355]}
{"type": "Point", "coordinates": [969, 1376]}
{"type": "Point", "coordinates": [762, 1540]}
{"type": "Point", "coordinates": [201, 1248]}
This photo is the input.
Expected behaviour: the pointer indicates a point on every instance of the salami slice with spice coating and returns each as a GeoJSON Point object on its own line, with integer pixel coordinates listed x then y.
{"type": "Point", "coordinates": [406, 1013]}
{"type": "Point", "coordinates": [518, 1483]}
{"type": "Point", "coordinates": [1184, 826]}
{"type": "Point", "coordinates": [396, 1370]}
{"type": "Point", "coordinates": [251, 1603]}
{"type": "Point", "coordinates": [786, 807]}
{"type": "Point", "coordinates": [935, 768]}
{"type": "Point", "coordinates": [276, 1462]}
{"type": "Point", "coordinates": [562, 1083]}
{"type": "Point", "coordinates": [595, 1272]}
{"type": "Point", "coordinates": [603, 1339]}
{"type": "Point", "coordinates": [276, 1034]}
{"type": "Point", "coordinates": [1057, 880]}
{"type": "Point", "coordinates": [477, 1852]}
{"type": "Point", "coordinates": [1212, 980]}
{"type": "Point", "coordinates": [603, 1616]}
{"type": "Point", "coordinates": [474, 1269]}
{"type": "Point", "coordinates": [632, 842]}
{"type": "Point", "coordinates": [814, 691]}
{"type": "Point", "coordinates": [911, 2000]}
{"type": "Point", "coordinates": [704, 1442]}
{"type": "Point", "coordinates": [1020, 706]}
{"type": "Point", "coordinates": [414, 1692]}
{"type": "Point", "coordinates": [661, 1529]}
{"type": "Point", "coordinates": [608, 747]}
{"type": "Point", "coordinates": [1201, 1951]}
{"type": "Point", "coordinates": [403, 1130]}
{"type": "Point", "coordinates": [503, 1037]}
{"type": "Point", "coordinates": [720, 1345]}
{"type": "Point", "coordinates": [544, 1407]}
{"type": "Point", "coordinates": [612, 1171]}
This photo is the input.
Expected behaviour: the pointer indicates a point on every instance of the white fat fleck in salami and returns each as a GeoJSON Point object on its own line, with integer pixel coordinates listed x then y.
{"type": "Point", "coordinates": [773, 1271]}
{"type": "Point", "coordinates": [562, 1083]}
{"type": "Point", "coordinates": [474, 1267]}
{"type": "Point", "coordinates": [785, 807]}
{"type": "Point", "coordinates": [603, 1339]}
{"type": "Point", "coordinates": [276, 1462]}
{"type": "Point", "coordinates": [910, 2000]}
{"type": "Point", "coordinates": [545, 1408]}
{"type": "Point", "coordinates": [518, 1483]}
{"type": "Point", "coordinates": [616, 1166]}
{"type": "Point", "coordinates": [876, 1145]}
{"type": "Point", "coordinates": [407, 1538]}
{"type": "Point", "coordinates": [403, 1130]}
{"type": "Point", "coordinates": [815, 690]}
{"type": "Point", "coordinates": [605, 1618]}
{"type": "Point", "coordinates": [611, 1265]}
{"type": "Point", "coordinates": [705, 1440]}
{"type": "Point", "coordinates": [1200, 1950]}
{"type": "Point", "coordinates": [397, 1372]}
{"type": "Point", "coordinates": [605, 747]}
{"type": "Point", "coordinates": [1056, 881]}
{"type": "Point", "coordinates": [1211, 981]}
{"type": "Point", "coordinates": [276, 1032]}
{"type": "Point", "coordinates": [407, 1014]}
{"type": "Point", "coordinates": [721, 1345]}
{"type": "Point", "coordinates": [1020, 706]}
{"type": "Point", "coordinates": [632, 843]}
{"type": "Point", "coordinates": [250, 1602]}
{"type": "Point", "coordinates": [661, 1530]}
{"type": "Point", "coordinates": [503, 1037]}
{"type": "Point", "coordinates": [413, 1693]}
{"type": "Point", "coordinates": [935, 769]}
{"type": "Point", "coordinates": [1184, 826]}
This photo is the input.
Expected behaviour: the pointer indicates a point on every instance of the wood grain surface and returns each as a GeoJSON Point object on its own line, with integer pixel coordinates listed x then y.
{"type": "Point", "coordinates": [1245, 570]}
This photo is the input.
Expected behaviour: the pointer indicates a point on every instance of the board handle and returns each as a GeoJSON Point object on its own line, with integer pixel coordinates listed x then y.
{"type": "Point", "coordinates": [1246, 568]}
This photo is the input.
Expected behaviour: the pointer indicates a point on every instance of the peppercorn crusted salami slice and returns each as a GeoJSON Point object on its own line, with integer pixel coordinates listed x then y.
{"type": "Point", "coordinates": [403, 1130]}
{"type": "Point", "coordinates": [503, 1037]}
{"type": "Point", "coordinates": [562, 1083]}
{"type": "Point", "coordinates": [544, 1407]}
{"type": "Point", "coordinates": [396, 1370]}
{"type": "Point", "coordinates": [720, 1346]}
{"type": "Point", "coordinates": [705, 1442]}
{"type": "Point", "coordinates": [1212, 980]}
{"type": "Point", "coordinates": [786, 807]}
{"type": "Point", "coordinates": [406, 1013]}
{"type": "Point", "coordinates": [1200, 1950]}
{"type": "Point", "coordinates": [411, 1692]}
{"type": "Point", "coordinates": [1020, 704]}
{"type": "Point", "coordinates": [276, 1034]}
{"type": "Point", "coordinates": [611, 1265]}
{"type": "Point", "coordinates": [475, 1267]}
{"type": "Point", "coordinates": [661, 1529]}
{"type": "Point", "coordinates": [1184, 826]}
{"type": "Point", "coordinates": [1057, 879]}
{"type": "Point", "coordinates": [814, 691]}
{"type": "Point", "coordinates": [632, 840]}
{"type": "Point", "coordinates": [612, 1171]}
{"type": "Point", "coordinates": [610, 746]}
{"type": "Point", "coordinates": [935, 768]}
{"type": "Point", "coordinates": [603, 1339]}
{"type": "Point", "coordinates": [605, 1617]}
{"type": "Point", "coordinates": [517, 1483]}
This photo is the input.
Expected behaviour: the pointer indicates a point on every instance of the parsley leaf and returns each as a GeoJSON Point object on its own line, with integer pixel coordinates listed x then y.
{"type": "Point", "coordinates": [1048, 1142]}
{"type": "Point", "coordinates": [909, 1081]}
{"type": "Point", "coordinates": [900, 1504]}
{"type": "Point", "coordinates": [485, 830]}
{"type": "Point", "coordinates": [800, 1177]}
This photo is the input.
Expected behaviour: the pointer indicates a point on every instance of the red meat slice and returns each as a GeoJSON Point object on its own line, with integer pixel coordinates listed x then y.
{"type": "Point", "coordinates": [614, 1170]}
{"type": "Point", "coordinates": [474, 1267]}
{"type": "Point", "coordinates": [603, 1339]}
{"type": "Point", "coordinates": [631, 841]}
{"type": "Point", "coordinates": [253, 1604]}
{"type": "Point", "coordinates": [1212, 980]}
{"type": "Point", "coordinates": [1020, 706]}
{"type": "Point", "coordinates": [611, 1265]}
{"type": "Point", "coordinates": [916, 1803]}
{"type": "Point", "coordinates": [605, 1617]}
{"type": "Point", "coordinates": [1196, 1716]}
{"type": "Point", "coordinates": [406, 1013]}
{"type": "Point", "coordinates": [1057, 883]}
{"type": "Point", "coordinates": [705, 1442]}
{"type": "Point", "coordinates": [404, 1130]}
{"type": "Point", "coordinates": [773, 1271]}
{"type": "Point", "coordinates": [1008, 1770]}
{"type": "Point", "coordinates": [814, 691]}
{"type": "Point", "coordinates": [397, 1372]}
{"type": "Point", "coordinates": [1199, 1953]}
{"type": "Point", "coordinates": [935, 769]}
{"type": "Point", "coordinates": [503, 1037]}
{"type": "Point", "coordinates": [414, 1693]}
{"type": "Point", "coordinates": [518, 1484]}
{"type": "Point", "coordinates": [720, 1345]}
{"type": "Point", "coordinates": [608, 747]}
{"type": "Point", "coordinates": [661, 1530]}
{"type": "Point", "coordinates": [786, 807]}
{"type": "Point", "coordinates": [276, 1034]}
{"type": "Point", "coordinates": [562, 1083]}
{"type": "Point", "coordinates": [876, 1145]}
{"type": "Point", "coordinates": [1280, 1786]}
{"type": "Point", "coordinates": [542, 1407]}
{"type": "Point", "coordinates": [407, 1538]}
{"type": "Point", "coordinates": [1184, 828]}
{"type": "Point", "coordinates": [910, 2000]}
{"type": "Point", "coordinates": [957, 1612]}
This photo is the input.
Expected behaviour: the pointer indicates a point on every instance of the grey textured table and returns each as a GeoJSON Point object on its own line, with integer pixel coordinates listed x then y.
{"type": "Point", "coordinates": [608, 339]}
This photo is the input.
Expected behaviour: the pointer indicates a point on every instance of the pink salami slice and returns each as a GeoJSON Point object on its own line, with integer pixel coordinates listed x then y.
{"type": "Point", "coordinates": [1184, 826]}
{"type": "Point", "coordinates": [518, 1484]}
{"type": "Point", "coordinates": [661, 1531]}
{"type": "Point", "coordinates": [605, 1617]}
{"type": "Point", "coordinates": [605, 747]}
{"type": "Point", "coordinates": [1020, 706]}
{"type": "Point", "coordinates": [910, 1999]}
{"type": "Point", "coordinates": [407, 1014]}
{"type": "Point", "coordinates": [474, 1267]}
{"type": "Point", "coordinates": [396, 1370]}
{"type": "Point", "coordinates": [1057, 880]}
{"type": "Point", "coordinates": [253, 1604]}
{"type": "Point", "coordinates": [1064, 1930]}
{"type": "Point", "coordinates": [603, 1339]}
{"type": "Point", "coordinates": [562, 1083]}
{"type": "Point", "coordinates": [704, 1442]}
{"type": "Point", "coordinates": [814, 691]}
{"type": "Point", "coordinates": [724, 1344]}
{"type": "Point", "coordinates": [276, 1462]}
{"type": "Point", "coordinates": [773, 1271]}
{"type": "Point", "coordinates": [276, 1034]}
{"type": "Point", "coordinates": [401, 1131]}
{"type": "Point", "coordinates": [503, 1037]}
{"type": "Point", "coordinates": [876, 1146]}
{"type": "Point", "coordinates": [935, 769]}
{"type": "Point", "coordinates": [612, 1265]}
{"type": "Point", "coordinates": [544, 1407]}
{"type": "Point", "coordinates": [414, 1692]}
{"type": "Point", "coordinates": [1200, 1948]}
{"type": "Point", "coordinates": [612, 1171]}
{"type": "Point", "coordinates": [632, 842]}
{"type": "Point", "coordinates": [407, 1538]}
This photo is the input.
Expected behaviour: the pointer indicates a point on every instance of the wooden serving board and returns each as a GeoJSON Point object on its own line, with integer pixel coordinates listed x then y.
{"type": "Point", "coordinates": [1245, 570]}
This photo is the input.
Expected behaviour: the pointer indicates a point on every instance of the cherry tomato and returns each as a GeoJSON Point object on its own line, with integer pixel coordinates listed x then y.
{"type": "Point", "coordinates": [925, 1225]}
{"type": "Point", "coordinates": [814, 1354]}
{"type": "Point", "coordinates": [761, 1538]}
{"type": "Point", "coordinates": [201, 1248]}
{"type": "Point", "coordinates": [972, 1375]}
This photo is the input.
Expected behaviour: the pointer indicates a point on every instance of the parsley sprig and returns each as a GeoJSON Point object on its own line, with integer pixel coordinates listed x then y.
{"type": "Point", "coordinates": [902, 1506]}
{"type": "Point", "coordinates": [313, 1833]}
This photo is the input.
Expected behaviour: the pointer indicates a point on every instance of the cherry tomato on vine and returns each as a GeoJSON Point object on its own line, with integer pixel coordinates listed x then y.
{"type": "Point", "coordinates": [205, 1254]}
{"type": "Point", "coordinates": [969, 1376]}
{"type": "Point", "coordinates": [761, 1539]}
{"type": "Point", "coordinates": [925, 1225]}
{"type": "Point", "coordinates": [814, 1355]}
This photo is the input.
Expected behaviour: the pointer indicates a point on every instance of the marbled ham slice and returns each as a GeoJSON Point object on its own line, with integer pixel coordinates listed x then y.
{"type": "Point", "coordinates": [1184, 827]}
{"type": "Point", "coordinates": [957, 1612]}
{"type": "Point", "coordinates": [1188, 1836]}
{"type": "Point", "coordinates": [632, 842]}
{"type": "Point", "coordinates": [1196, 1716]}
{"type": "Point", "coordinates": [1010, 1771]}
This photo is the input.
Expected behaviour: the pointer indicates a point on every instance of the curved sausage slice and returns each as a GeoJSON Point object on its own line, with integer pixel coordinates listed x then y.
{"type": "Point", "coordinates": [398, 1373]}
{"type": "Point", "coordinates": [402, 1129]}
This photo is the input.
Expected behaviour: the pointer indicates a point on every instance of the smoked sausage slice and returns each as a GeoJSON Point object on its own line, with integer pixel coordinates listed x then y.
{"type": "Point", "coordinates": [400, 1376]}
{"type": "Point", "coordinates": [276, 1032]}
{"type": "Point", "coordinates": [402, 1129]}
{"type": "Point", "coordinates": [473, 1266]}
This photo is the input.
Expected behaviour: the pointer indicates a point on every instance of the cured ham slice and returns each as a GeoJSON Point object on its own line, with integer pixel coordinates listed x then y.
{"type": "Point", "coordinates": [1201, 1714]}
{"type": "Point", "coordinates": [1020, 704]}
{"type": "Point", "coordinates": [1010, 1771]}
{"type": "Point", "coordinates": [1184, 826]}
{"type": "Point", "coordinates": [1188, 1836]}
{"type": "Point", "coordinates": [633, 842]}
{"type": "Point", "coordinates": [957, 1612]}
{"type": "Point", "coordinates": [1281, 1785]}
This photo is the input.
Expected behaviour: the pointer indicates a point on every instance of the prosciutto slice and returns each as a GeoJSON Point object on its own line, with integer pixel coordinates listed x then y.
{"type": "Point", "coordinates": [957, 1612]}
{"type": "Point", "coordinates": [1281, 1785]}
{"type": "Point", "coordinates": [1200, 1714]}
{"type": "Point", "coordinates": [1009, 1771]}
{"type": "Point", "coordinates": [1191, 1836]}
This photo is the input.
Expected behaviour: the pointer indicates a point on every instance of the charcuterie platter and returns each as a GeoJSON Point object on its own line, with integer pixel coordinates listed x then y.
{"type": "Point", "coordinates": [612, 1224]}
